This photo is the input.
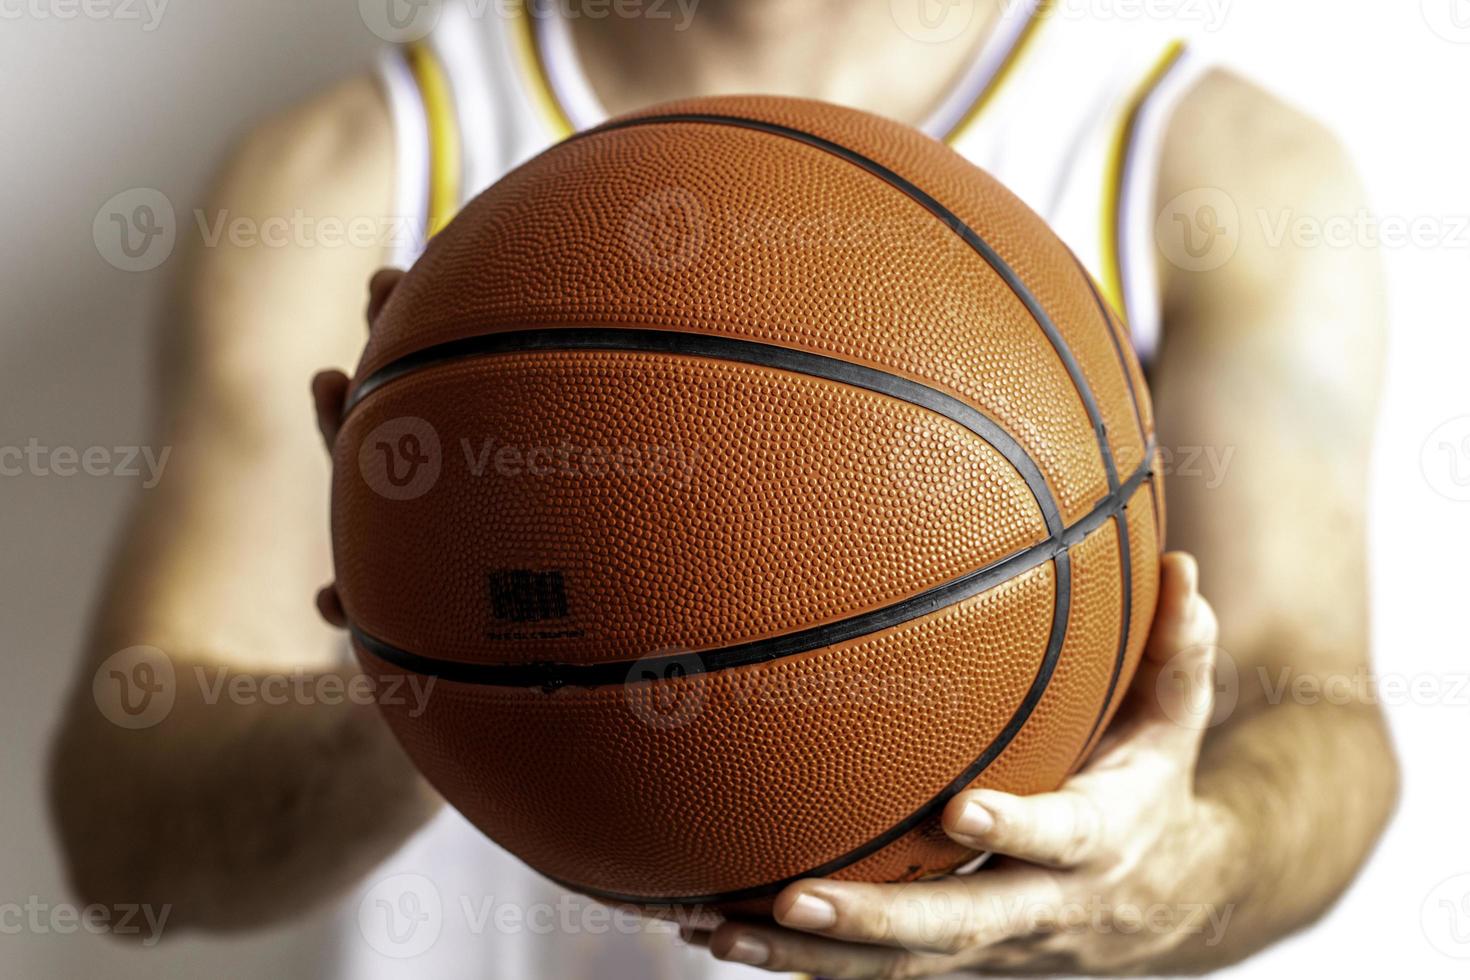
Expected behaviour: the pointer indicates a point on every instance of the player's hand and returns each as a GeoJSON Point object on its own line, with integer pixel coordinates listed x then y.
{"type": "Point", "coordinates": [1118, 867]}
{"type": "Point", "coordinates": [329, 393]}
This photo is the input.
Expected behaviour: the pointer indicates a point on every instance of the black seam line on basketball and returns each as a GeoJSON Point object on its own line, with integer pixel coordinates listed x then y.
{"type": "Point", "coordinates": [554, 675]}
{"type": "Point", "coordinates": [934, 207]}
{"type": "Point", "coordinates": [1060, 617]}
{"type": "Point", "coordinates": [1153, 496]}
{"type": "Point", "coordinates": [1125, 559]}
{"type": "Point", "coordinates": [1124, 550]}
{"type": "Point", "coordinates": [641, 340]}
{"type": "Point", "coordinates": [1102, 306]}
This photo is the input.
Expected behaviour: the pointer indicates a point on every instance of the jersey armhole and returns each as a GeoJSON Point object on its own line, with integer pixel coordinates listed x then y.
{"type": "Point", "coordinates": [411, 157]}
{"type": "Point", "coordinates": [429, 176]}
{"type": "Point", "coordinates": [1130, 271]}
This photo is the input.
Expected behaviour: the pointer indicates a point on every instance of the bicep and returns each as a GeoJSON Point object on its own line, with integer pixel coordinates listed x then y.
{"type": "Point", "coordinates": [221, 559]}
{"type": "Point", "coordinates": [1267, 384]}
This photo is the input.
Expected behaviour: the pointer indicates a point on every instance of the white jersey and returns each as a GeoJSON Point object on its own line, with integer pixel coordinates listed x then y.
{"type": "Point", "coordinates": [1068, 110]}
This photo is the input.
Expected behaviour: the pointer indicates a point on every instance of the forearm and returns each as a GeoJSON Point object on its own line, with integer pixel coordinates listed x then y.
{"type": "Point", "coordinates": [1304, 790]}
{"type": "Point", "coordinates": [232, 810]}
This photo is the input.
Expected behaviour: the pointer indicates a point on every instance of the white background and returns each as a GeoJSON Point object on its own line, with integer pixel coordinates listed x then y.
{"type": "Point", "coordinates": [94, 107]}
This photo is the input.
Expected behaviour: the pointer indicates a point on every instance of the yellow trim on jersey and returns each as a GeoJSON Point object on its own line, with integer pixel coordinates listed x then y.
{"type": "Point", "coordinates": [1112, 267]}
{"type": "Point", "coordinates": [1003, 74]}
{"type": "Point", "coordinates": [445, 163]}
{"type": "Point", "coordinates": [533, 69]}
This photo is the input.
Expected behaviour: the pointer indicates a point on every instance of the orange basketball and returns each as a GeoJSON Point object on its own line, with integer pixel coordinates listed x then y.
{"type": "Point", "coordinates": [751, 475]}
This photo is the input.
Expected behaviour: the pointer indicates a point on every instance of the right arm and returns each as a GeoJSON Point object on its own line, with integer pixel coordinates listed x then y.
{"type": "Point", "coordinates": [239, 812]}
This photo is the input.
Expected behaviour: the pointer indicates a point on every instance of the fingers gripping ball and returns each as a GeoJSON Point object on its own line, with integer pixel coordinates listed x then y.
{"type": "Point", "coordinates": [752, 475]}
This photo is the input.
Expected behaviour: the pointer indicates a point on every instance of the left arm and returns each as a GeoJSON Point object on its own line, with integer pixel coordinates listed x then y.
{"type": "Point", "coordinates": [1288, 336]}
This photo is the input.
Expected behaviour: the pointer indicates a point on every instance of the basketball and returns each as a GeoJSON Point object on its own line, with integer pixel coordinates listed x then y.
{"type": "Point", "coordinates": [745, 477]}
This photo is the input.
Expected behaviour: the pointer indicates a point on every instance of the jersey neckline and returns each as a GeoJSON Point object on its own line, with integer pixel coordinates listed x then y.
{"type": "Point", "coordinates": [567, 103]}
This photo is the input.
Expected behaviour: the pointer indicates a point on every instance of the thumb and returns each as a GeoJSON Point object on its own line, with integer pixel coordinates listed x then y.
{"type": "Point", "coordinates": [1185, 679]}
{"type": "Point", "coordinates": [329, 394]}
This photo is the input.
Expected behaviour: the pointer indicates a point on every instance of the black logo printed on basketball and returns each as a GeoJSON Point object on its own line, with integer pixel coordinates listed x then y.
{"type": "Point", "coordinates": [521, 596]}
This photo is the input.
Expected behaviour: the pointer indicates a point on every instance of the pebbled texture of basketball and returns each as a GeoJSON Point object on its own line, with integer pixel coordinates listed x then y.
{"type": "Point", "coordinates": [750, 475]}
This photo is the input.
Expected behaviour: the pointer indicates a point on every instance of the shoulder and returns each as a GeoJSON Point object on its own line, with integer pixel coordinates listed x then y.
{"type": "Point", "coordinates": [1232, 135]}
{"type": "Point", "coordinates": [1278, 187]}
{"type": "Point", "coordinates": [1267, 249]}
{"type": "Point", "coordinates": [298, 218]}
{"type": "Point", "coordinates": [1227, 126]}
{"type": "Point", "coordinates": [336, 144]}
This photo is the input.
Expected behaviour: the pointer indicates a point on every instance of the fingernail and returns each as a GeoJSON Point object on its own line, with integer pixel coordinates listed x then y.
{"type": "Point", "coordinates": [974, 820]}
{"type": "Point", "coordinates": [1190, 569]}
{"type": "Point", "coordinates": [810, 912]}
{"type": "Point", "coordinates": [748, 950]}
